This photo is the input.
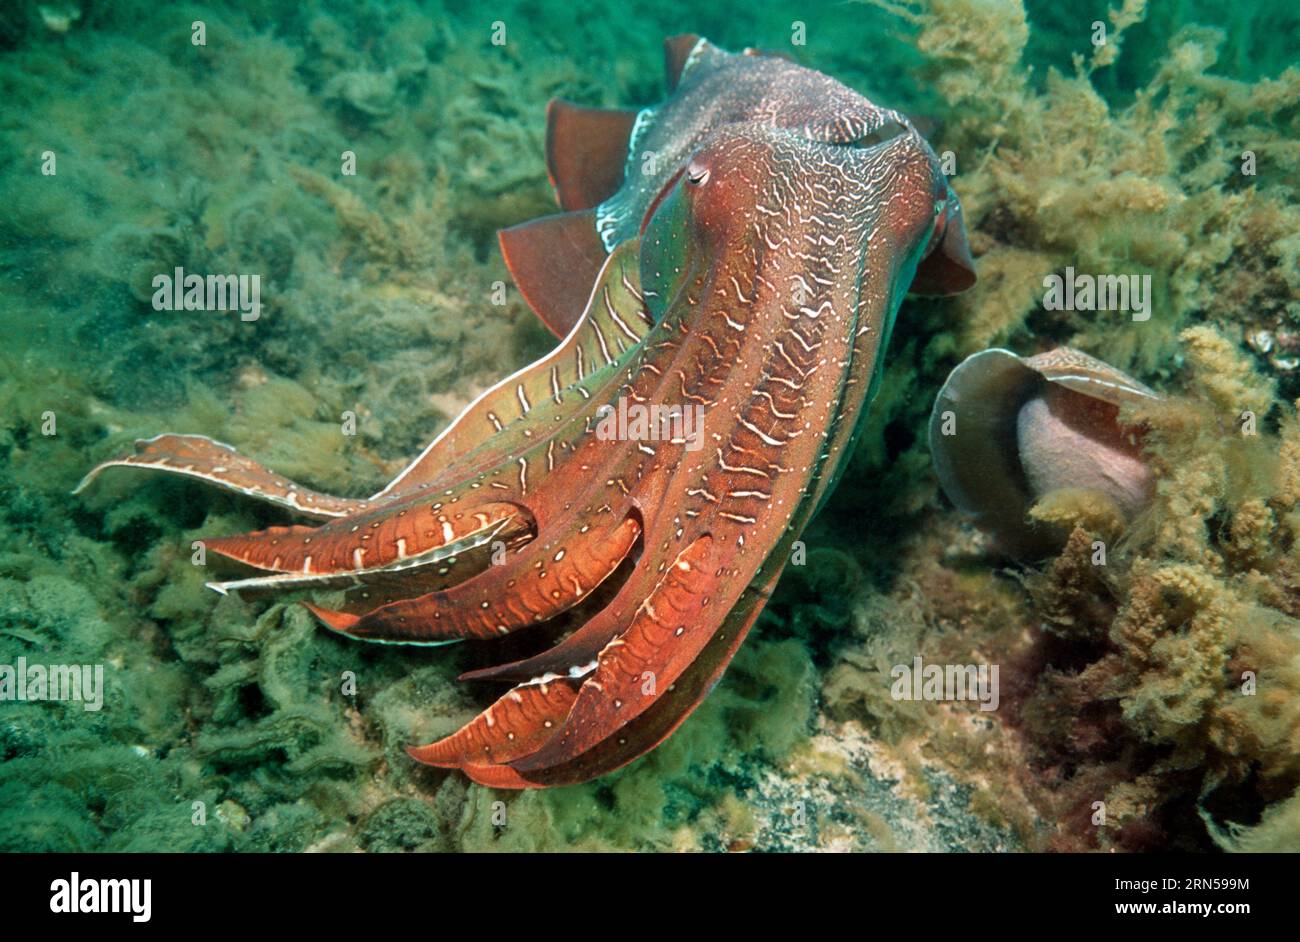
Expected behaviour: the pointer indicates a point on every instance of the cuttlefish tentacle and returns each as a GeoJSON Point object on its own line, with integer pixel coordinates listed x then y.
{"type": "Point", "coordinates": [576, 654]}
{"type": "Point", "coordinates": [450, 566]}
{"type": "Point", "coordinates": [665, 707]}
{"type": "Point", "coordinates": [670, 705]}
{"type": "Point", "coordinates": [423, 520]}
{"type": "Point", "coordinates": [668, 710]}
{"type": "Point", "coordinates": [626, 703]}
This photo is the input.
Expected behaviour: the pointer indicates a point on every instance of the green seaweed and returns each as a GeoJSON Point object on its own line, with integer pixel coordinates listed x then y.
{"type": "Point", "coordinates": [229, 723]}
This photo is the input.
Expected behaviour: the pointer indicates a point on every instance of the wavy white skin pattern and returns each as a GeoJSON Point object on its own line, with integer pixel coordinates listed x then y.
{"type": "Point", "coordinates": [719, 88]}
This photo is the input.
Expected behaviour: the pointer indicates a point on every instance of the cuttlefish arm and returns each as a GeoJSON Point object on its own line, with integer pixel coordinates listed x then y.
{"type": "Point", "coordinates": [753, 294]}
{"type": "Point", "coordinates": [217, 463]}
{"type": "Point", "coordinates": [614, 320]}
{"type": "Point", "coordinates": [782, 385]}
{"type": "Point", "coordinates": [470, 488]}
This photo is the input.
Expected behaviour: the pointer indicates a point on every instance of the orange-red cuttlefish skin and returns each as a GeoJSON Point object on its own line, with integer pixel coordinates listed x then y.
{"type": "Point", "coordinates": [743, 283]}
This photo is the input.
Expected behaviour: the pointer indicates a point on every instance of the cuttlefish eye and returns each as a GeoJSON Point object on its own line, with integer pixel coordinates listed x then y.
{"type": "Point", "coordinates": [886, 132]}
{"type": "Point", "coordinates": [940, 225]}
{"type": "Point", "coordinates": [697, 174]}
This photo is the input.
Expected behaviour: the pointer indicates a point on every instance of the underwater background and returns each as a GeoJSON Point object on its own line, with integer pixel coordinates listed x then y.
{"type": "Point", "coordinates": [225, 724]}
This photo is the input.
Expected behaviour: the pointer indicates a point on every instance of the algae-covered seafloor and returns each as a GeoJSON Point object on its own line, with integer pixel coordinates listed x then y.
{"type": "Point", "coordinates": [1170, 150]}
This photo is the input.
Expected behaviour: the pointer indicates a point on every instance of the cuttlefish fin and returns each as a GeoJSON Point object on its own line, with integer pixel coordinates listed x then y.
{"type": "Point", "coordinates": [925, 125]}
{"type": "Point", "coordinates": [677, 51]}
{"type": "Point", "coordinates": [218, 463]}
{"type": "Point", "coordinates": [543, 579]}
{"type": "Point", "coordinates": [615, 321]}
{"type": "Point", "coordinates": [586, 151]}
{"type": "Point", "coordinates": [949, 268]}
{"type": "Point", "coordinates": [554, 260]}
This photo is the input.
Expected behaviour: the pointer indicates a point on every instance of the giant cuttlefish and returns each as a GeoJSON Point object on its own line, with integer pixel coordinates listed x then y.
{"type": "Point", "coordinates": [736, 254]}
